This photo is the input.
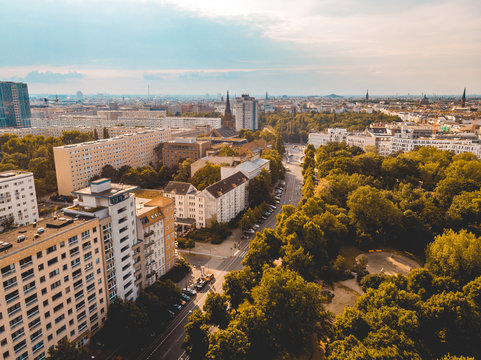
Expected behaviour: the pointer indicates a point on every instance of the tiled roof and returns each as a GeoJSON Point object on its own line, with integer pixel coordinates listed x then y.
{"type": "Point", "coordinates": [177, 187]}
{"type": "Point", "coordinates": [224, 186]}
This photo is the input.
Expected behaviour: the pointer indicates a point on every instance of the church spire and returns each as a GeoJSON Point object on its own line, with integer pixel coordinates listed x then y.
{"type": "Point", "coordinates": [228, 122]}
{"type": "Point", "coordinates": [367, 94]}
{"type": "Point", "coordinates": [463, 99]}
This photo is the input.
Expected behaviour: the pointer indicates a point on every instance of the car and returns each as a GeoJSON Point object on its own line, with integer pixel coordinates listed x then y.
{"type": "Point", "coordinates": [277, 201]}
{"type": "Point", "coordinates": [264, 217]}
{"type": "Point", "coordinates": [171, 313]}
{"type": "Point", "coordinates": [182, 303]}
{"type": "Point", "coordinates": [256, 225]}
{"type": "Point", "coordinates": [273, 207]}
{"type": "Point", "coordinates": [200, 285]}
{"type": "Point", "coordinates": [185, 297]}
{"type": "Point", "coordinates": [209, 277]}
{"type": "Point", "coordinates": [250, 231]}
{"type": "Point", "coordinates": [176, 308]}
{"type": "Point", "coordinates": [189, 292]}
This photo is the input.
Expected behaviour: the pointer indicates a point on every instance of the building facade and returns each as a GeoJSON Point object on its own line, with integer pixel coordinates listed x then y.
{"type": "Point", "coordinates": [18, 199]}
{"type": "Point", "coordinates": [14, 105]}
{"type": "Point", "coordinates": [114, 206]}
{"type": "Point", "coordinates": [80, 162]}
{"type": "Point", "coordinates": [53, 286]}
{"type": "Point", "coordinates": [155, 228]}
{"type": "Point", "coordinates": [245, 111]}
{"type": "Point", "coordinates": [175, 151]}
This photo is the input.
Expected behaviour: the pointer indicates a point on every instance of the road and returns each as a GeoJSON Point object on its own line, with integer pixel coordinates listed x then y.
{"type": "Point", "coordinates": [168, 345]}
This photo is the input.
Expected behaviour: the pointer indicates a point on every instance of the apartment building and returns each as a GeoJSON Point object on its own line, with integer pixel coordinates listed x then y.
{"type": "Point", "coordinates": [155, 228]}
{"type": "Point", "coordinates": [251, 168]}
{"type": "Point", "coordinates": [226, 198]}
{"type": "Point", "coordinates": [245, 111]}
{"type": "Point", "coordinates": [53, 285]}
{"type": "Point", "coordinates": [18, 199]}
{"type": "Point", "coordinates": [80, 162]}
{"type": "Point", "coordinates": [221, 201]}
{"type": "Point", "coordinates": [180, 149]}
{"type": "Point", "coordinates": [114, 206]}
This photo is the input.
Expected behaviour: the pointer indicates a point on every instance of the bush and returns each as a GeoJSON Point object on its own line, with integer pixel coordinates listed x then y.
{"type": "Point", "coordinates": [178, 272]}
{"type": "Point", "coordinates": [185, 243]}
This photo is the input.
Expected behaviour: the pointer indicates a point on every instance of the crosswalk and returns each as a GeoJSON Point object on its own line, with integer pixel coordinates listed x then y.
{"type": "Point", "coordinates": [240, 253]}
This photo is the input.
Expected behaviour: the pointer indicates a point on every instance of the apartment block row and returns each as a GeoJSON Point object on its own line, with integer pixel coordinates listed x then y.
{"type": "Point", "coordinates": [128, 119]}
{"type": "Point", "coordinates": [387, 142]}
{"type": "Point", "coordinates": [220, 202]}
{"type": "Point", "coordinates": [60, 274]}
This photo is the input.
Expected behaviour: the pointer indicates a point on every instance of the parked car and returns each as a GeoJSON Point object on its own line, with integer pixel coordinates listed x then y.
{"type": "Point", "coordinates": [189, 292]}
{"type": "Point", "coordinates": [185, 297]}
{"type": "Point", "coordinates": [200, 284]}
{"type": "Point", "coordinates": [209, 277]}
{"type": "Point", "coordinates": [176, 308]}
{"type": "Point", "coordinates": [171, 313]}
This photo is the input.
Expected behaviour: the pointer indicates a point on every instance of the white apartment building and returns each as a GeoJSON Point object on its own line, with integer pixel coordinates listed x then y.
{"type": "Point", "coordinates": [114, 206]}
{"type": "Point", "coordinates": [18, 199]}
{"type": "Point", "coordinates": [221, 201]}
{"type": "Point", "coordinates": [245, 111]}
{"type": "Point", "coordinates": [226, 198]}
{"type": "Point", "coordinates": [76, 164]}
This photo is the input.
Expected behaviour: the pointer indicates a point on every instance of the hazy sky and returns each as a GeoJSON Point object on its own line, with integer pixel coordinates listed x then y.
{"type": "Point", "coordinates": [209, 46]}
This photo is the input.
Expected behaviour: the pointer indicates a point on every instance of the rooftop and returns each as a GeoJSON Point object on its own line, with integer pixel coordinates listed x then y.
{"type": "Point", "coordinates": [52, 226]}
{"type": "Point", "coordinates": [177, 187]}
{"type": "Point", "coordinates": [115, 189]}
{"type": "Point", "coordinates": [147, 193]}
{"type": "Point", "coordinates": [12, 173]}
{"type": "Point", "coordinates": [224, 186]}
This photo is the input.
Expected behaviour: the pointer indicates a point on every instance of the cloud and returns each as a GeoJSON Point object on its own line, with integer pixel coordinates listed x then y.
{"type": "Point", "coordinates": [49, 77]}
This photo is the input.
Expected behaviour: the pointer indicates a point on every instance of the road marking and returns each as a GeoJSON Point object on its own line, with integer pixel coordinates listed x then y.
{"type": "Point", "coordinates": [236, 252]}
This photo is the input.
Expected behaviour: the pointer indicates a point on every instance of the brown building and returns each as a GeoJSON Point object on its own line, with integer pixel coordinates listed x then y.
{"type": "Point", "coordinates": [53, 285]}
{"type": "Point", "coordinates": [180, 149]}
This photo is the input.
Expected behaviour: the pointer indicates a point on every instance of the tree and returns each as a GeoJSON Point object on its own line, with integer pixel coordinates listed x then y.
{"type": "Point", "coordinates": [67, 350]}
{"type": "Point", "coordinates": [237, 286]}
{"type": "Point", "coordinates": [108, 171]}
{"type": "Point", "coordinates": [260, 189]}
{"type": "Point", "coordinates": [95, 134]}
{"type": "Point", "coordinates": [455, 254]}
{"type": "Point", "coordinates": [227, 150]}
{"type": "Point", "coordinates": [105, 133]}
{"type": "Point", "coordinates": [245, 222]}
{"type": "Point", "coordinates": [183, 173]}
{"type": "Point", "coordinates": [216, 310]}
{"type": "Point", "coordinates": [373, 215]}
{"type": "Point", "coordinates": [205, 176]}
{"type": "Point", "coordinates": [231, 344]}
{"type": "Point", "coordinates": [74, 137]}
{"type": "Point", "coordinates": [196, 341]}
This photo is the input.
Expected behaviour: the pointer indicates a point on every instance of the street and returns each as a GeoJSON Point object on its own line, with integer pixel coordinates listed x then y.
{"type": "Point", "coordinates": [168, 345]}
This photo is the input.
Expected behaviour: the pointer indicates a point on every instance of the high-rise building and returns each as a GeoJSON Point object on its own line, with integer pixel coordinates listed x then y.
{"type": "Point", "coordinates": [463, 98]}
{"type": "Point", "coordinates": [18, 200]}
{"type": "Point", "coordinates": [228, 120]}
{"type": "Point", "coordinates": [245, 111]}
{"type": "Point", "coordinates": [53, 285]}
{"type": "Point", "coordinates": [14, 105]}
{"type": "Point", "coordinates": [114, 206]}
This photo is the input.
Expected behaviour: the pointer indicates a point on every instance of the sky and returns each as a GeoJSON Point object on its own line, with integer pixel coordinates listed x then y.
{"type": "Point", "coordinates": [303, 47]}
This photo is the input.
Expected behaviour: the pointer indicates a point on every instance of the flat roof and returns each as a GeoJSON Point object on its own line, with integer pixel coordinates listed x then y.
{"type": "Point", "coordinates": [115, 189]}
{"type": "Point", "coordinates": [12, 173]}
{"type": "Point", "coordinates": [51, 226]}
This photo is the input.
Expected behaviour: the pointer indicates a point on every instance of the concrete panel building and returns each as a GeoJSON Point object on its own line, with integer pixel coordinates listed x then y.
{"type": "Point", "coordinates": [80, 162]}
{"type": "Point", "coordinates": [53, 285]}
{"type": "Point", "coordinates": [18, 199]}
{"type": "Point", "coordinates": [245, 111]}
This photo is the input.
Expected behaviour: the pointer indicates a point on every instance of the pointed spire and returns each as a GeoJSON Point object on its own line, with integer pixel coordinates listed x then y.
{"type": "Point", "coordinates": [463, 99]}
{"type": "Point", "coordinates": [267, 96]}
{"type": "Point", "coordinates": [228, 122]}
{"type": "Point", "coordinates": [367, 94]}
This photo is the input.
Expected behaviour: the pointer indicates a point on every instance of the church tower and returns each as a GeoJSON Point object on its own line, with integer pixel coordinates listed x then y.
{"type": "Point", "coordinates": [367, 94]}
{"type": "Point", "coordinates": [228, 121]}
{"type": "Point", "coordinates": [463, 99]}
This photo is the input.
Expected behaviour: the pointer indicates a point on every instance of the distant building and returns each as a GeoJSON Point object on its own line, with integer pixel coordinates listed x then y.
{"type": "Point", "coordinates": [245, 111]}
{"type": "Point", "coordinates": [250, 168]}
{"type": "Point", "coordinates": [17, 197]}
{"type": "Point", "coordinates": [180, 149]}
{"type": "Point", "coordinates": [14, 105]}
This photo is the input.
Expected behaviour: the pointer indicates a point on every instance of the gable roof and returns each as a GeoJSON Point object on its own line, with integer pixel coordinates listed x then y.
{"type": "Point", "coordinates": [177, 187]}
{"type": "Point", "coordinates": [224, 186]}
{"type": "Point", "coordinates": [224, 132]}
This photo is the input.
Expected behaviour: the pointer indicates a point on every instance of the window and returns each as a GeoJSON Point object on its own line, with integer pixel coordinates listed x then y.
{"type": "Point", "coordinates": [73, 240]}
{"type": "Point", "coordinates": [30, 300]}
{"type": "Point", "coordinates": [33, 311]}
{"type": "Point", "coordinates": [25, 262]}
{"type": "Point", "coordinates": [11, 297]}
{"type": "Point", "coordinates": [29, 287]}
{"type": "Point", "coordinates": [85, 234]}
{"type": "Point", "coordinates": [52, 261]}
{"type": "Point", "coordinates": [27, 274]}
{"type": "Point", "coordinates": [51, 249]}
{"type": "Point", "coordinates": [9, 269]}
{"type": "Point", "coordinates": [60, 318]}
{"type": "Point", "coordinates": [58, 307]}
{"type": "Point", "coordinates": [13, 309]}
{"type": "Point", "coordinates": [55, 284]}
{"type": "Point", "coordinates": [10, 283]}
{"type": "Point", "coordinates": [74, 251]}
{"type": "Point", "coordinates": [15, 322]}
{"type": "Point", "coordinates": [56, 296]}
{"type": "Point", "coordinates": [54, 273]}
{"type": "Point", "coordinates": [20, 346]}
{"type": "Point", "coordinates": [75, 263]}
{"type": "Point", "coordinates": [34, 323]}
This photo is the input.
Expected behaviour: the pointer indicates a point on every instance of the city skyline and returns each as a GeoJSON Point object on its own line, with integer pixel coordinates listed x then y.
{"type": "Point", "coordinates": [198, 47]}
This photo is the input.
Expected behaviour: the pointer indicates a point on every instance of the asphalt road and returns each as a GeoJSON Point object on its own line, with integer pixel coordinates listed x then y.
{"type": "Point", "coordinates": [168, 345]}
